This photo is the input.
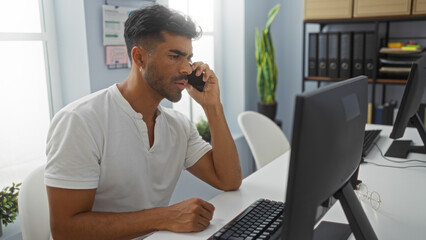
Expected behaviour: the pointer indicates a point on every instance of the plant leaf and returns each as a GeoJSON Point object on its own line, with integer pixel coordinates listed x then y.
{"type": "Point", "coordinates": [257, 46]}
{"type": "Point", "coordinates": [271, 15]}
{"type": "Point", "coordinates": [265, 59]}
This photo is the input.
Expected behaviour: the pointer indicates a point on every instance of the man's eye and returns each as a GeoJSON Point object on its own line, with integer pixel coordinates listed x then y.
{"type": "Point", "coordinates": [174, 56]}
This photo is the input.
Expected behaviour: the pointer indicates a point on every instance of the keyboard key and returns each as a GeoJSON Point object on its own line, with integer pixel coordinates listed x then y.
{"type": "Point", "coordinates": [227, 234]}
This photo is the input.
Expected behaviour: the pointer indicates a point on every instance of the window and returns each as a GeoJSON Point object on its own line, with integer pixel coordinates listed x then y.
{"type": "Point", "coordinates": [203, 48]}
{"type": "Point", "coordinates": [26, 98]}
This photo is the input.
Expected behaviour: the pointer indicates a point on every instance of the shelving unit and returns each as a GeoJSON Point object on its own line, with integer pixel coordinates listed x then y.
{"type": "Point", "coordinates": [381, 39]}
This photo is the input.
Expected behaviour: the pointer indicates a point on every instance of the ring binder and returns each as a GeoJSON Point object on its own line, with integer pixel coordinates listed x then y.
{"type": "Point", "coordinates": [345, 55]}
{"type": "Point", "coordinates": [322, 54]}
{"type": "Point", "coordinates": [370, 51]}
{"type": "Point", "coordinates": [358, 54]}
{"type": "Point", "coordinates": [313, 54]}
{"type": "Point", "coordinates": [333, 54]}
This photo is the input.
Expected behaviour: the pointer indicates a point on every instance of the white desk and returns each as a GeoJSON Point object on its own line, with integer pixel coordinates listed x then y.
{"type": "Point", "coordinates": [402, 214]}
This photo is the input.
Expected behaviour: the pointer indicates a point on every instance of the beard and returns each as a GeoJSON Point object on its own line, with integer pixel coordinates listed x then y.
{"type": "Point", "coordinates": [162, 85]}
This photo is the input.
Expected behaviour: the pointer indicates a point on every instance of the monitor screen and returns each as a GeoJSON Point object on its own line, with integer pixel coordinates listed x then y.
{"type": "Point", "coordinates": [326, 148]}
{"type": "Point", "coordinates": [411, 98]}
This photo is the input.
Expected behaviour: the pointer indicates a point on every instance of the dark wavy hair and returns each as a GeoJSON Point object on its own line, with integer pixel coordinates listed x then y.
{"type": "Point", "coordinates": [144, 26]}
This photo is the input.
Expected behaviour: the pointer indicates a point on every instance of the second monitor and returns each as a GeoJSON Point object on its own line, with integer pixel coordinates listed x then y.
{"type": "Point", "coordinates": [413, 93]}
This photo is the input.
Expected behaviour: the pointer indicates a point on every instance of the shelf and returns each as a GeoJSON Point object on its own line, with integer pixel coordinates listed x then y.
{"type": "Point", "coordinates": [400, 52]}
{"type": "Point", "coordinates": [325, 79]}
{"type": "Point", "coordinates": [369, 19]}
{"type": "Point", "coordinates": [370, 80]}
{"type": "Point", "coordinates": [391, 81]}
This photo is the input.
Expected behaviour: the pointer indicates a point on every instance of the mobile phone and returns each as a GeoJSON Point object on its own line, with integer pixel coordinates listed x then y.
{"type": "Point", "coordinates": [196, 81]}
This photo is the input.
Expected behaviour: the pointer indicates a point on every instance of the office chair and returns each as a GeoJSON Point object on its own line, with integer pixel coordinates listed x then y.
{"type": "Point", "coordinates": [266, 140]}
{"type": "Point", "coordinates": [33, 206]}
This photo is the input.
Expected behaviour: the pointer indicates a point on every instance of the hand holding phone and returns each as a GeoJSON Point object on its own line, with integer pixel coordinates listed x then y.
{"type": "Point", "coordinates": [196, 81]}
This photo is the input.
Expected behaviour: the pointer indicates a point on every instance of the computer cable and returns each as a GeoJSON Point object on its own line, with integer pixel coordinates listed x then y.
{"type": "Point", "coordinates": [395, 161]}
{"type": "Point", "coordinates": [405, 161]}
{"type": "Point", "coordinates": [381, 165]}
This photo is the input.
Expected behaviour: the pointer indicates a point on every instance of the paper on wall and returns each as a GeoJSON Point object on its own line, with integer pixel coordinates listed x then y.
{"type": "Point", "coordinates": [114, 18]}
{"type": "Point", "coordinates": [116, 55]}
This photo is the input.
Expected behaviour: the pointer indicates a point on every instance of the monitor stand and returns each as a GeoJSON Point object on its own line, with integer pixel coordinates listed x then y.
{"type": "Point", "coordinates": [358, 221]}
{"type": "Point", "coordinates": [401, 148]}
{"type": "Point", "coordinates": [332, 230]}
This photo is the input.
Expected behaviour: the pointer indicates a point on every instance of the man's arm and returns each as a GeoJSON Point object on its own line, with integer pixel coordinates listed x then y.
{"type": "Point", "coordinates": [220, 167]}
{"type": "Point", "coordinates": [71, 217]}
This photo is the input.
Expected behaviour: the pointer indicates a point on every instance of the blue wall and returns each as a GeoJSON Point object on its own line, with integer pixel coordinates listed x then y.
{"type": "Point", "coordinates": [286, 31]}
{"type": "Point", "coordinates": [230, 59]}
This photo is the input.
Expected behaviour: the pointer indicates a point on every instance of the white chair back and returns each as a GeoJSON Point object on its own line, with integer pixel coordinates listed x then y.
{"type": "Point", "coordinates": [265, 139]}
{"type": "Point", "coordinates": [33, 207]}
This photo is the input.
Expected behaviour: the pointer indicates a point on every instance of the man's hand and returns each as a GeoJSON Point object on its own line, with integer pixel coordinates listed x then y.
{"type": "Point", "coordinates": [192, 215]}
{"type": "Point", "coordinates": [211, 95]}
{"type": "Point", "coordinates": [220, 167]}
{"type": "Point", "coordinates": [71, 217]}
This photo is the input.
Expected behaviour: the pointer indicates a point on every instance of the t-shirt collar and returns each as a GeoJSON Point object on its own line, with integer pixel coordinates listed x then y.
{"type": "Point", "coordinates": [125, 105]}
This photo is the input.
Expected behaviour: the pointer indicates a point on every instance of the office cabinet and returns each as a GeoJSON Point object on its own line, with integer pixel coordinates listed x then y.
{"type": "Point", "coordinates": [368, 42]}
{"type": "Point", "coordinates": [375, 8]}
{"type": "Point", "coordinates": [328, 9]}
{"type": "Point", "coordinates": [419, 7]}
{"type": "Point", "coordinates": [346, 13]}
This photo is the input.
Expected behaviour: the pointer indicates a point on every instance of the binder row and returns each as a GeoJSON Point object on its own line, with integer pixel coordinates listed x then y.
{"type": "Point", "coordinates": [342, 54]}
{"type": "Point", "coordinates": [385, 114]}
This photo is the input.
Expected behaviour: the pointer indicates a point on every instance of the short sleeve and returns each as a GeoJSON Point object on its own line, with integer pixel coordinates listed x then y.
{"type": "Point", "coordinates": [73, 155]}
{"type": "Point", "coordinates": [197, 147]}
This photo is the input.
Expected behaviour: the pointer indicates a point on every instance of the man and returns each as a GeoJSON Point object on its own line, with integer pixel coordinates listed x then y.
{"type": "Point", "coordinates": [114, 157]}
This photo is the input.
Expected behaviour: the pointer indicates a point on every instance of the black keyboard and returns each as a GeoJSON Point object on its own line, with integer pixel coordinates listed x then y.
{"type": "Point", "coordinates": [259, 221]}
{"type": "Point", "coordinates": [370, 137]}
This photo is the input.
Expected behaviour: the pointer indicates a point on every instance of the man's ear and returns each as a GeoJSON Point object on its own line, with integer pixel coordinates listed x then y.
{"type": "Point", "coordinates": [139, 56]}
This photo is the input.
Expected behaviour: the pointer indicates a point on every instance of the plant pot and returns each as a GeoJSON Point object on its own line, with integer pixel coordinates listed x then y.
{"type": "Point", "coordinates": [269, 110]}
{"type": "Point", "coordinates": [1, 228]}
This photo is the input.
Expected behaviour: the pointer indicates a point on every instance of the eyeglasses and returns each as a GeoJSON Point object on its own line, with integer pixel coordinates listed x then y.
{"type": "Point", "coordinates": [364, 194]}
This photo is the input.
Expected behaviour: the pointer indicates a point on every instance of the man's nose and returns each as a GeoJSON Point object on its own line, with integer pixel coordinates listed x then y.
{"type": "Point", "coordinates": [186, 68]}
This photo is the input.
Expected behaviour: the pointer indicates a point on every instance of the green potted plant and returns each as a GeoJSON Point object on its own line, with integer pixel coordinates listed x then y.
{"type": "Point", "coordinates": [8, 205]}
{"type": "Point", "coordinates": [204, 129]}
{"type": "Point", "coordinates": [267, 71]}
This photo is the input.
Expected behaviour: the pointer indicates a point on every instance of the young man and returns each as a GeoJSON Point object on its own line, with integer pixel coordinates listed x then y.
{"type": "Point", "coordinates": [114, 157]}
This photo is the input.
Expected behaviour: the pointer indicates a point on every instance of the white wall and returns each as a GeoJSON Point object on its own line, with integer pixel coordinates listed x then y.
{"type": "Point", "coordinates": [72, 47]}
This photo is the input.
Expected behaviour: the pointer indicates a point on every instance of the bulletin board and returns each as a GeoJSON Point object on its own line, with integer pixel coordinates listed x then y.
{"type": "Point", "coordinates": [113, 19]}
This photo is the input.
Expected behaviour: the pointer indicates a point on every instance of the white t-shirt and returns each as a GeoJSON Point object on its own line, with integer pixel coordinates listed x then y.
{"type": "Point", "coordinates": [100, 142]}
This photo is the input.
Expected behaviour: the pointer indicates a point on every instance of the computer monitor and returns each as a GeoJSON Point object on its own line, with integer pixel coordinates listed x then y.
{"type": "Point", "coordinates": [411, 98]}
{"type": "Point", "coordinates": [326, 148]}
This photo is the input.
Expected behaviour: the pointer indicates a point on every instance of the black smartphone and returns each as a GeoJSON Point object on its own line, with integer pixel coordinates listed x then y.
{"type": "Point", "coordinates": [195, 81]}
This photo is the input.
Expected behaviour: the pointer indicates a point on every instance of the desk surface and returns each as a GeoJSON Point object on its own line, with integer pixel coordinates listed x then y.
{"type": "Point", "coordinates": [402, 214]}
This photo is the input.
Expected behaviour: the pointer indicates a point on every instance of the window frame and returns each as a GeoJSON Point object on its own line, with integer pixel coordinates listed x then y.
{"type": "Point", "coordinates": [47, 37]}
{"type": "Point", "coordinates": [215, 36]}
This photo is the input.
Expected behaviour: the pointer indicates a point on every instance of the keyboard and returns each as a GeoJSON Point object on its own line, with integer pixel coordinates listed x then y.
{"type": "Point", "coordinates": [259, 221]}
{"type": "Point", "coordinates": [370, 137]}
